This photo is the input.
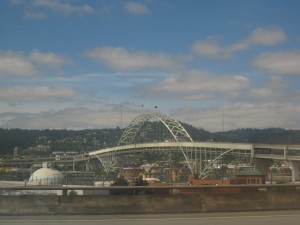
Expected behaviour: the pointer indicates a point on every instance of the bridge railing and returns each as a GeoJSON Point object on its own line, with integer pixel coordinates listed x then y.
{"type": "Point", "coordinates": [168, 189]}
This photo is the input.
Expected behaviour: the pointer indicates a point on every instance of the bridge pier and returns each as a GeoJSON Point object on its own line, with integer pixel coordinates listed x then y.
{"type": "Point", "coordinates": [295, 170]}
{"type": "Point", "coordinates": [87, 165]}
{"type": "Point", "coordinates": [263, 165]}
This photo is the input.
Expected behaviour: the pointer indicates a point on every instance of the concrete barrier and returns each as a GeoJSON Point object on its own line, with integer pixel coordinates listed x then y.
{"type": "Point", "coordinates": [128, 204]}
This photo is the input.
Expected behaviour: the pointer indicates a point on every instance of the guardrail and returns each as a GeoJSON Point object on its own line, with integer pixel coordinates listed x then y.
{"type": "Point", "coordinates": [257, 187]}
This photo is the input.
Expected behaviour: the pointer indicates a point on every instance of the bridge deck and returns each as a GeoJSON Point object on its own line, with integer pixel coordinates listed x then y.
{"type": "Point", "coordinates": [283, 152]}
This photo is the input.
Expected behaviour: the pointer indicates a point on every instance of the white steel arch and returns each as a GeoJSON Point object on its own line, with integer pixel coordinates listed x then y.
{"type": "Point", "coordinates": [177, 131]}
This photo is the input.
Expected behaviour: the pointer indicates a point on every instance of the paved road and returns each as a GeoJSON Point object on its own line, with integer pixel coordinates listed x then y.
{"type": "Point", "coordinates": [243, 218]}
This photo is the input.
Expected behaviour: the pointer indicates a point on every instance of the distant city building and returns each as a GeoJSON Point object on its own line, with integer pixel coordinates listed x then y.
{"type": "Point", "coordinates": [131, 174]}
{"type": "Point", "coordinates": [79, 178]}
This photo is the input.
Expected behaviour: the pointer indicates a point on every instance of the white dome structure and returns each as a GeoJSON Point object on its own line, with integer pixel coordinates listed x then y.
{"type": "Point", "coordinates": [46, 176]}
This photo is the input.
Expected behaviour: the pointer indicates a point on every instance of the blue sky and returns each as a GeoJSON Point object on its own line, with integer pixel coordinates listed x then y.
{"type": "Point", "coordinates": [74, 64]}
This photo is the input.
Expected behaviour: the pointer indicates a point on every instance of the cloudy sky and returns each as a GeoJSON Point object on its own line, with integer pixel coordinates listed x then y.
{"type": "Point", "coordinates": [78, 64]}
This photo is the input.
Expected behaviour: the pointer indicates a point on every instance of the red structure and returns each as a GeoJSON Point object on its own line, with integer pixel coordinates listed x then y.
{"type": "Point", "coordinates": [251, 176]}
{"type": "Point", "coordinates": [247, 176]}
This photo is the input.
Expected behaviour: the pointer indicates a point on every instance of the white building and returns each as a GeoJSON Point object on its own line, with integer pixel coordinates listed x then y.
{"type": "Point", "coordinates": [46, 176]}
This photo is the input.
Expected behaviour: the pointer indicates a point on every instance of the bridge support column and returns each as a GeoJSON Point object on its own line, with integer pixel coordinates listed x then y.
{"type": "Point", "coordinates": [295, 170]}
{"type": "Point", "coordinates": [87, 166]}
{"type": "Point", "coordinates": [263, 165]}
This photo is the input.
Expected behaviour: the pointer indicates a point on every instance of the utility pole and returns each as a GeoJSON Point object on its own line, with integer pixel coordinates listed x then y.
{"type": "Point", "coordinates": [223, 120]}
{"type": "Point", "coordinates": [121, 116]}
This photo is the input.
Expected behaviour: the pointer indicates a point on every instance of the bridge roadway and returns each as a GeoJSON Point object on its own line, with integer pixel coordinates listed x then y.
{"type": "Point", "coordinates": [264, 151]}
{"type": "Point", "coordinates": [286, 152]}
{"type": "Point", "coordinates": [291, 217]}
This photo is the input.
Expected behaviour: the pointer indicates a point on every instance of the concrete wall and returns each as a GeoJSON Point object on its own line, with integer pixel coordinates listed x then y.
{"type": "Point", "coordinates": [119, 204]}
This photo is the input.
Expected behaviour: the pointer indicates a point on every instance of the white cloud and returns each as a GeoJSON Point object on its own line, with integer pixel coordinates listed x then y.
{"type": "Point", "coordinates": [68, 118]}
{"type": "Point", "coordinates": [50, 58]}
{"type": "Point", "coordinates": [271, 36]}
{"type": "Point", "coordinates": [267, 95]}
{"type": "Point", "coordinates": [196, 85]}
{"type": "Point", "coordinates": [65, 8]}
{"type": "Point", "coordinates": [242, 116]}
{"type": "Point", "coordinates": [35, 94]}
{"type": "Point", "coordinates": [125, 60]}
{"type": "Point", "coordinates": [12, 63]}
{"type": "Point", "coordinates": [235, 116]}
{"type": "Point", "coordinates": [209, 48]}
{"type": "Point", "coordinates": [136, 8]}
{"type": "Point", "coordinates": [279, 62]}
{"type": "Point", "coordinates": [260, 36]}
{"type": "Point", "coordinates": [40, 9]}
{"type": "Point", "coordinates": [274, 90]}
{"type": "Point", "coordinates": [27, 65]}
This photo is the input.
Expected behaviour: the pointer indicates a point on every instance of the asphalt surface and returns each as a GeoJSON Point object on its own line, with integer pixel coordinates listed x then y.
{"type": "Point", "coordinates": [236, 218]}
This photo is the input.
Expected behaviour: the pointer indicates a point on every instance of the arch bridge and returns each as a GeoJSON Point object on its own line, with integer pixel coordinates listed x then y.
{"type": "Point", "coordinates": [157, 132]}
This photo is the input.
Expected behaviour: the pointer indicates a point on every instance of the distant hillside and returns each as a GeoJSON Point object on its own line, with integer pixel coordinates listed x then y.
{"type": "Point", "coordinates": [248, 135]}
{"type": "Point", "coordinates": [270, 136]}
{"type": "Point", "coordinates": [58, 140]}
{"type": "Point", "coordinates": [86, 140]}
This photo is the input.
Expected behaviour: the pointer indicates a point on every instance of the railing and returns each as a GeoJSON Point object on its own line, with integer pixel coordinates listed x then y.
{"type": "Point", "coordinates": [174, 189]}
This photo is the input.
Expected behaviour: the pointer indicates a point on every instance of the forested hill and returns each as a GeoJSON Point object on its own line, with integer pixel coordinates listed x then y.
{"type": "Point", "coordinates": [247, 135]}
{"type": "Point", "coordinates": [45, 141]}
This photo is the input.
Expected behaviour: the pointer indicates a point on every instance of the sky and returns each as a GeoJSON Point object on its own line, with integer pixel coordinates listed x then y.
{"type": "Point", "coordinates": [217, 65]}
